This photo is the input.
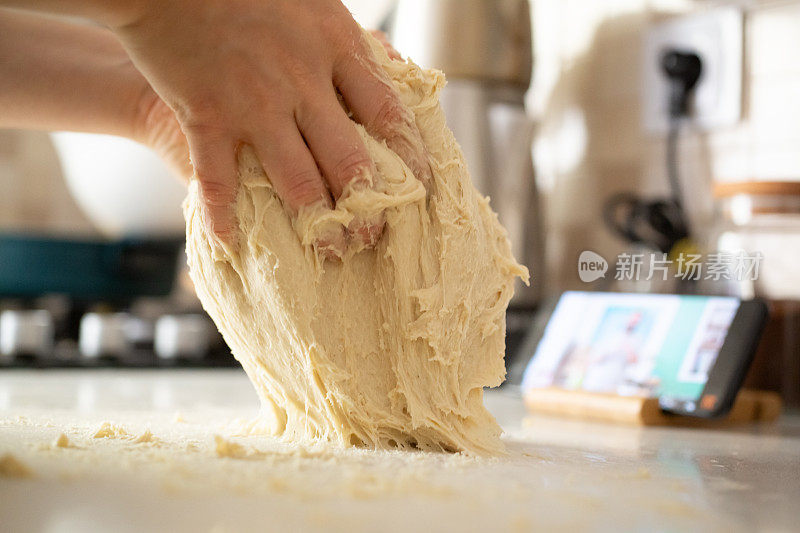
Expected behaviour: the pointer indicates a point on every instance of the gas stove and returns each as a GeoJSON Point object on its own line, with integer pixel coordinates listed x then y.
{"type": "Point", "coordinates": [55, 332]}
{"type": "Point", "coordinates": [91, 302]}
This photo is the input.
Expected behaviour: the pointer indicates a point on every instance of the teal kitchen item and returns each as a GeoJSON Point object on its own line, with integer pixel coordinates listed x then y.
{"type": "Point", "coordinates": [32, 266]}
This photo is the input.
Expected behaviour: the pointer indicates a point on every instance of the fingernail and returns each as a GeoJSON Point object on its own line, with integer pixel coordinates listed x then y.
{"type": "Point", "coordinates": [366, 232]}
{"type": "Point", "coordinates": [426, 173]}
{"type": "Point", "coordinates": [331, 242]}
{"type": "Point", "coordinates": [365, 179]}
{"type": "Point", "coordinates": [227, 237]}
{"type": "Point", "coordinates": [423, 161]}
{"type": "Point", "coordinates": [414, 153]}
{"type": "Point", "coordinates": [222, 232]}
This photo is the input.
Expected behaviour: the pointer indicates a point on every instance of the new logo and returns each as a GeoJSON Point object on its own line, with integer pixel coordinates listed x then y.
{"type": "Point", "coordinates": [591, 266]}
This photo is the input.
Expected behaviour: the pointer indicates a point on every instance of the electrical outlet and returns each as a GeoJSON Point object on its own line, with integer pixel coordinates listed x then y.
{"type": "Point", "coordinates": [715, 36]}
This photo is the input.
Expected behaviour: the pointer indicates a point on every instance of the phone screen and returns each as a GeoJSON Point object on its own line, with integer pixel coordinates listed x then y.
{"type": "Point", "coordinates": [658, 345]}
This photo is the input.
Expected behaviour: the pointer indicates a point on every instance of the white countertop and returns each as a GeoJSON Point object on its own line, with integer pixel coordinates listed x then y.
{"type": "Point", "coordinates": [558, 474]}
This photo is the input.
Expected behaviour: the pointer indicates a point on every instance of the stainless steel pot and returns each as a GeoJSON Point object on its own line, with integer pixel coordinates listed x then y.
{"type": "Point", "coordinates": [482, 40]}
{"type": "Point", "coordinates": [484, 48]}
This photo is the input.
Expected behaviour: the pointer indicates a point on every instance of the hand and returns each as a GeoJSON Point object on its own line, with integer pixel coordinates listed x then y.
{"type": "Point", "coordinates": [267, 74]}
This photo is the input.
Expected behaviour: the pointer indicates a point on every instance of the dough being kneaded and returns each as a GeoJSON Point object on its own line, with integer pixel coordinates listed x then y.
{"type": "Point", "coordinates": [392, 346]}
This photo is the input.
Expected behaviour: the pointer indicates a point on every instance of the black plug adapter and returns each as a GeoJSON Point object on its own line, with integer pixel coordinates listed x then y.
{"type": "Point", "coordinates": [683, 68]}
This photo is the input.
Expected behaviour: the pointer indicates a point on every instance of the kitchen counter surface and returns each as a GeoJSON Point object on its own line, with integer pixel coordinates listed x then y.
{"type": "Point", "coordinates": [173, 457]}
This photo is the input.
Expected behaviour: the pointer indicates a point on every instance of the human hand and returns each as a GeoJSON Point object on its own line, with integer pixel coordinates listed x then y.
{"type": "Point", "coordinates": [267, 74]}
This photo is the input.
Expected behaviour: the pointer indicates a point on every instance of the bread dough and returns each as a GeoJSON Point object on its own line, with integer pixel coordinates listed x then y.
{"type": "Point", "coordinates": [10, 466]}
{"type": "Point", "coordinates": [391, 347]}
{"type": "Point", "coordinates": [62, 441]}
{"type": "Point", "coordinates": [110, 431]}
{"type": "Point", "coordinates": [227, 448]}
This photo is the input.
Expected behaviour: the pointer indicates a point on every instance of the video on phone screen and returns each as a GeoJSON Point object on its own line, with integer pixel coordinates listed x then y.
{"type": "Point", "coordinates": [630, 344]}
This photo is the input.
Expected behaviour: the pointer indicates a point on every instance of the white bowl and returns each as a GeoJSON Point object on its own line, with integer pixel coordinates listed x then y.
{"type": "Point", "coordinates": [122, 186]}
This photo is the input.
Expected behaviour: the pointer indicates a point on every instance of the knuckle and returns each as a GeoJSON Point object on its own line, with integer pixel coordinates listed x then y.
{"type": "Point", "coordinates": [336, 27]}
{"type": "Point", "coordinates": [201, 113]}
{"type": "Point", "coordinates": [352, 166]}
{"type": "Point", "coordinates": [298, 71]}
{"type": "Point", "coordinates": [303, 188]}
{"type": "Point", "coordinates": [216, 193]}
{"type": "Point", "coordinates": [389, 118]}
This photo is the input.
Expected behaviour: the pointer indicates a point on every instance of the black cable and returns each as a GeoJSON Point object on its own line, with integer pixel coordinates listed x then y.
{"type": "Point", "coordinates": [673, 173]}
{"type": "Point", "coordinates": [660, 224]}
{"type": "Point", "coordinates": [657, 224]}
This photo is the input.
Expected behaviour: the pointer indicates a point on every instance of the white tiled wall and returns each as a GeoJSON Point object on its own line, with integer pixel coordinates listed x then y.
{"type": "Point", "coordinates": [588, 65]}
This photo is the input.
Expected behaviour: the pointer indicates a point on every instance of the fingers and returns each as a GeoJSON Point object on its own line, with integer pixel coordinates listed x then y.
{"type": "Point", "coordinates": [215, 167]}
{"type": "Point", "coordinates": [298, 183]}
{"type": "Point", "coordinates": [295, 174]}
{"type": "Point", "coordinates": [342, 157]}
{"type": "Point", "coordinates": [336, 145]}
{"type": "Point", "coordinates": [375, 104]}
{"type": "Point", "coordinates": [291, 169]}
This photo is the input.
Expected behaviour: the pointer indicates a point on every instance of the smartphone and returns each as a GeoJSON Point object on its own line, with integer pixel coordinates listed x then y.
{"type": "Point", "coordinates": [690, 352]}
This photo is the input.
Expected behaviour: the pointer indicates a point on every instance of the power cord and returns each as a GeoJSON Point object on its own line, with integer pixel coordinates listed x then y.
{"type": "Point", "coordinates": [661, 224]}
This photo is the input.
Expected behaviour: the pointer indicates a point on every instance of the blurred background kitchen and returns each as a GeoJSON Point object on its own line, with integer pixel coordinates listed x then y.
{"type": "Point", "coordinates": [560, 106]}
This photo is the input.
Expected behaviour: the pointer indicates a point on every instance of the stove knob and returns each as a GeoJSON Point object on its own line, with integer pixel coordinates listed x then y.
{"type": "Point", "coordinates": [187, 336]}
{"type": "Point", "coordinates": [26, 333]}
{"type": "Point", "coordinates": [103, 335]}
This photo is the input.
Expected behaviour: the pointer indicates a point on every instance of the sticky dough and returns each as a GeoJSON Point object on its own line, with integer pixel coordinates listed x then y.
{"type": "Point", "coordinates": [392, 346]}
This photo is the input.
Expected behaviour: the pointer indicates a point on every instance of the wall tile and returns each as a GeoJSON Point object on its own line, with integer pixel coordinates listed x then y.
{"type": "Point", "coordinates": [773, 39]}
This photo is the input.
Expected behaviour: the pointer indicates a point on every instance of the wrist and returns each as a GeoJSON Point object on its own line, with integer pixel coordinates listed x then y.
{"type": "Point", "coordinates": [116, 14]}
{"type": "Point", "coordinates": [132, 95]}
{"type": "Point", "coordinates": [110, 13]}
